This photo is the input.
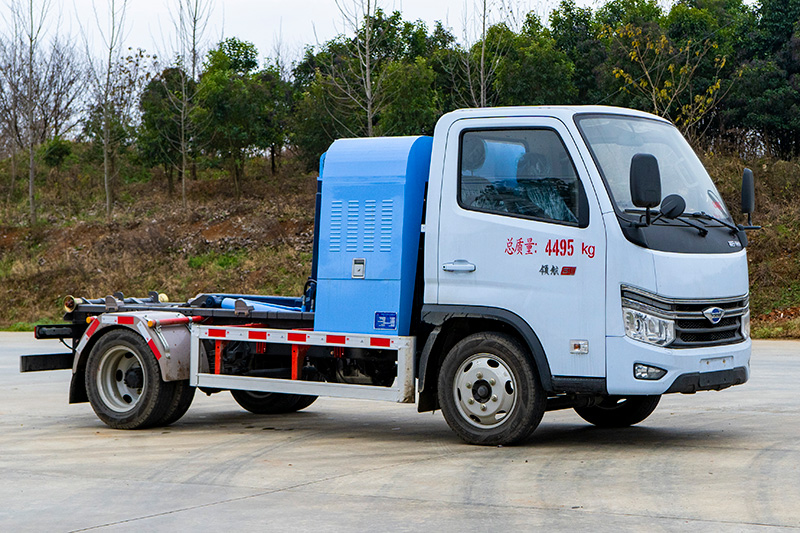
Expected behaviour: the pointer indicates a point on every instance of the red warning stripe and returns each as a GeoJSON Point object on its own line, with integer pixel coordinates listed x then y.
{"type": "Point", "coordinates": [296, 337]}
{"type": "Point", "coordinates": [217, 333]}
{"type": "Point", "coordinates": [92, 327]}
{"type": "Point", "coordinates": [125, 320]}
{"type": "Point", "coordinates": [151, 343]}
{"type": "Point", "coordinates": [257, 335]}
{"type": "Point", "coordinates": [335, 339]}
{"type": "Point", "coordinates": [380, 343]}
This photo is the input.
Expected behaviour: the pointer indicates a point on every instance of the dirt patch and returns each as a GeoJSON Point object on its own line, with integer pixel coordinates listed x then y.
{"type": "Point", "coordinates": [10, 237]}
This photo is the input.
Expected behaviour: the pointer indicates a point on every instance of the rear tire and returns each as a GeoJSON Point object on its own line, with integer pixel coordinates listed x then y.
{"type": "Point", "coordinates": [618, 411]}
{"type": "Point", "coordinates": [489, 390]}
{"type": "Point", "coordinates": [181, 401]}
{"type": "Point", "coordinates": [123, 382]}
{"type": "Point", "coordinates": [271, 403]}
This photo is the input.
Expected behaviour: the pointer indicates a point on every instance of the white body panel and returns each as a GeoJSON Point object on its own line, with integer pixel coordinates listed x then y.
{"type": "Point", "coordinates": [559, 308]}
{"type": "Point", "coordinates": [700, 275]}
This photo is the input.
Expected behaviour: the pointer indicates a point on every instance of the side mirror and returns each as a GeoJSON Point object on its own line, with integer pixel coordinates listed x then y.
{"type": "Point", "coordinates": [645, 181]}
{"type": "Point", "coordinates": [673, 206]}
{"type": "Point", "coordinates": [748, 192]}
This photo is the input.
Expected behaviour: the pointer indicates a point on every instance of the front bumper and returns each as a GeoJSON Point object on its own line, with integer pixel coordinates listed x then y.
{"type": "Point", "coordinates": [722, 379]}
{"type": "Point", "coordinates": [688, 370]}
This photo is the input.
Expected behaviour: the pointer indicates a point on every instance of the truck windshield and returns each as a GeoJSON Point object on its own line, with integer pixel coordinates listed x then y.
{"type": "Point", "coordinates": [614, 140]}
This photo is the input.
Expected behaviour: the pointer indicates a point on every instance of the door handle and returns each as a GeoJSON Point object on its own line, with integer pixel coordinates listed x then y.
{"type": "Point", "coordinates": [459, 265]}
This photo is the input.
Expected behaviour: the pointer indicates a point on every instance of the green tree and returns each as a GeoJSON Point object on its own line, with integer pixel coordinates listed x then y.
{"type": "Point", "coordinates": [776, 25]}
{"type": "Point", "coordinates": [55, 151]}
{"type": "Point", "coordinates": [575, 32]}
{"type": "Point", "coordinates": [616, 13]}
{"type": "Point", "coordinates": [532, 71]}
{"type": "Point", "coordinates": [238, 106]}
{"type": "Point", "coordinates": [158, 137]}
{"type": "Point", "coordinates": [318, 119]}
{"type": "Point", "coordinates": [766, 100]}
{"type": "Point", "coordinates": [377, 81]}
{"type": "Point", "coordinates": [414, 105]}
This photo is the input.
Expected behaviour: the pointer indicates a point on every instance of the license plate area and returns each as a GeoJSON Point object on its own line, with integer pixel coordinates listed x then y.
{"type": "Point", "coordinates": [716, 364]}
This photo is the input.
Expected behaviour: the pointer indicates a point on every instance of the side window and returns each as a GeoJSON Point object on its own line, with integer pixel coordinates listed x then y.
{"type": "Point", "coordinates": [526, 173]}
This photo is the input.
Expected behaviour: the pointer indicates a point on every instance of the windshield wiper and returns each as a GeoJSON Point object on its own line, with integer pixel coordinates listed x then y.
{"type": "Point", "coordinates": [641, 212]}
{"type": "Point", "coordinates": [703, 214]}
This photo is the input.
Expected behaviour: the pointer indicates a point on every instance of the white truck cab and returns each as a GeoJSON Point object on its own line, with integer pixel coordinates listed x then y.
{"type": "Point", "coordinates": [530, 218]}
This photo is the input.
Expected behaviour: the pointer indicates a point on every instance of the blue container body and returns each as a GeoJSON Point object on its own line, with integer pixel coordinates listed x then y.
{"type": "Point", "coordinates": [371, 214]}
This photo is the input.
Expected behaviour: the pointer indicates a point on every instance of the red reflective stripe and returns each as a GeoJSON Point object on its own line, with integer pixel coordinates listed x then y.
{"type": "Point", "coordinates": [336, 339]}
{"type": "Point", "coordinates": [296, 337]}
{"type": "Point", "coordinates": [92, 327]}
{"type": "Point", "coordinates": [257, 335]}
{"type": "Point", "coordinates": [151, 343]}
{"type": "Point", "coordinates": [298, 352]}
{"type": "Point", "coordinates": [217, 357]}
{"type": "Point", "coordinates": [381, 343]}
{"type": "Point", "coordinates": [125, 320]}
{"type": "Point", "coordinates": [217, 333]}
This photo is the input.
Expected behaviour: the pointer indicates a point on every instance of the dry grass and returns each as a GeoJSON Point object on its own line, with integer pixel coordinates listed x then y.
{"type": "Point", "coordinates": [260, 244]}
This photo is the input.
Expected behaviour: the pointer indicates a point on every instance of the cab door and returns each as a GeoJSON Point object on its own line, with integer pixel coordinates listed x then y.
{"type": "Point", "coordinates": [520, 229]}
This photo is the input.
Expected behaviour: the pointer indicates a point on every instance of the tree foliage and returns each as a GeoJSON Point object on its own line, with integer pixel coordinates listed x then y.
{"type": "Point", "coordinates": [722, 70]}
{"type": "Point", "coordinates": [243, 109]}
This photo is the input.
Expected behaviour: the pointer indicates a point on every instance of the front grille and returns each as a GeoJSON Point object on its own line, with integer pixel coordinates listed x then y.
{"type": "Point", "coordinates": [692, 328]}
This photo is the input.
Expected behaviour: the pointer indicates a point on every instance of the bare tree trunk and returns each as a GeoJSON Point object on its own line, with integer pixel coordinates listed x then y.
{"type": "Point", "coordinates": [238, 174]}
{"type": "Point", "coordinates": [367, 61]}
{"type": "Point", "coordinates": [365, 93]}
{"type": "Point", "coordinates": [477, 73]}
{"type": "Point", "coordinates": [108, 85]}
{"type": "Point", "coordinates": [483, 56]}
{"type": "Point", "coordinates": [169, 170]}
{"type": "Point", "coordinates": [31, 138]}
{"type": "Point", "coordinates": [107, 162]}
{"type": "Point", "coordinates": [184, 141]}
{"type": "Point", "coordinates": [190, 24]}
{"type": "Point", "coordinates": [34, 24]}
{"type": "Point", "coordinates": [13, 175]}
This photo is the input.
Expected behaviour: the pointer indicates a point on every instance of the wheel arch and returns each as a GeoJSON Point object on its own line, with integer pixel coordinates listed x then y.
{"type": "Point", "coordinates": [451, 323]}
{"type": "Point", "coordinates": [171, 346]}
{"type": "Point", "coordinates": [77, 386]}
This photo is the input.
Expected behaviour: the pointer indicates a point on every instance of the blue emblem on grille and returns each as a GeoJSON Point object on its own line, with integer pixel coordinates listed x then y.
{"type": "Point", "coordinates": [714, 314]}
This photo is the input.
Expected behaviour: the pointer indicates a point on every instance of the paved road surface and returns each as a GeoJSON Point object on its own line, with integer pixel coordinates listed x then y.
{"type": "Point", "coordinates": [710, 462]}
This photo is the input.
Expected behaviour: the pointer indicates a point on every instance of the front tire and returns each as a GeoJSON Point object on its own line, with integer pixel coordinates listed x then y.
{"type": "Point", "coordinates": [123, 382]}
{"type": "Point", "coordinates": [489, 390]}
{"type": "Point", "coordinates": [271, 403]}
{"type": "Point", "coordinates": [619, 412]}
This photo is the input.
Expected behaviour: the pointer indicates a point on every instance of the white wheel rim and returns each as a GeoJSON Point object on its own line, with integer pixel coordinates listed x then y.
{"type": "Point", "coordinates": [118, 376]}
{"type": "Point", "coordinates": [485, 391]}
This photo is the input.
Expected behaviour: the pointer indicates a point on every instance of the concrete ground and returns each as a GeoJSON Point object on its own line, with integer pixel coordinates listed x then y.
{"type": "Point", "coordinates": [714, 461]}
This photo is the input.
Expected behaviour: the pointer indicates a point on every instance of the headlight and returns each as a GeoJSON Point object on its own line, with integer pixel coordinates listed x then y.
{"type": "Point", "coordinates": [746, 325]}
{"type": "Point", "coordinates": [648, 328]}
